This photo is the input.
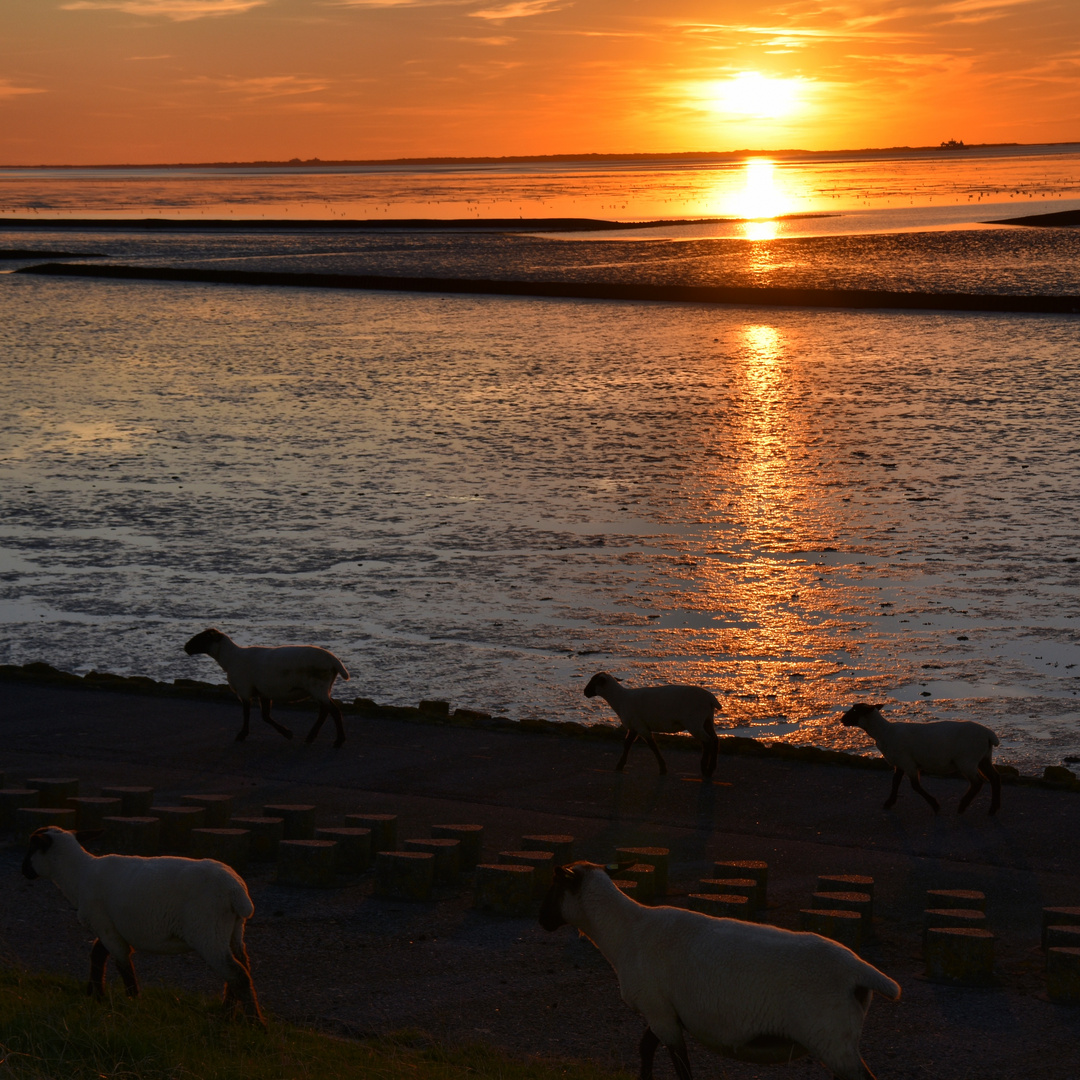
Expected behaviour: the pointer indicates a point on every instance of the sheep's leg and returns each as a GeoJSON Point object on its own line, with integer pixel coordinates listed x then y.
{"type": "Point", "coordinates": [897, 776]}
{"type": "Point", "coordinates": [328, 708]}
{"type": "Point", "coordinates": [127, 970]}
{"type": "Point", "coordinates": [986, 767]}
{"type": "Point", "coordinates": [265, 703]}
{"type": "Point", "coordinates": [680, 1059]}
{"type": "Point", "coordinates": [975, 784]}
{"type": "Point", "coordinates": [99, 957]}
{"type": "Point", "coordinates": [317, 726]}
{"type": "Point", "coordinates": [656, 750]}
{"type": "Point", "coordinates": [239, 989]}
{"type": "Point", "coordinates": [709, 751]}
{"type": "Point", "coordinates": [246, 729]}
{"type": "Point", "coordinates": [339, 724]}
{"type": "Point", "coordinates": [914, 778]}
{"type": "Point", "coordinates": [628, 741]}
{"type": "Point", "coordinates": [647, 1046]}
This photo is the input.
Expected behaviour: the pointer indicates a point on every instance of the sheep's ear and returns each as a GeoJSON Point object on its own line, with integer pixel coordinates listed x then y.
{"type": "Point", "coordinates": [881, 705]}
{"type": "Point", "coordinates": [88, 836]}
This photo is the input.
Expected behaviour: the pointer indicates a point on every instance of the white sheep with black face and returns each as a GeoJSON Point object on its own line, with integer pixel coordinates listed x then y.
{"type": "Point", "coordinates": [158, 905]}
{"type": "Point", "coordinates": [287, 672]}
{"type": "Point", "coordinates": [753, 992]}
{"type": "Point", "coordinates": [943, 747]}
{"type": "Point", "coordinates": [647, 709]}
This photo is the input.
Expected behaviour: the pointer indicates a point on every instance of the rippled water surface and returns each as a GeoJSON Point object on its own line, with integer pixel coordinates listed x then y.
{"type": "Point", "coordinates": [490, 499]}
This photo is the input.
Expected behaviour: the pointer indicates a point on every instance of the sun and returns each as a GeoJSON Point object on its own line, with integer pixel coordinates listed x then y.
{"type": "Point", "coordinates": [752, 94]}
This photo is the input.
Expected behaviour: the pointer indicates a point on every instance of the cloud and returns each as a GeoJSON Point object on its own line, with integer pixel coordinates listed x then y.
{"type": "Point", "coordinates": [263, 87]}
{"type": "Point", "coordinates": [177, 10]}
{"type": "Point", "coordinates": [8, 90]}
{"type": "Point", "coordinates": [400, 3]}
{"type": "Point", "coordinates": [518, 9]}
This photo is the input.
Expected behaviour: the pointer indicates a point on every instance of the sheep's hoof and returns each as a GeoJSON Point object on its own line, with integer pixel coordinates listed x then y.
{"type": "Point", "coordinates": [338, 743]}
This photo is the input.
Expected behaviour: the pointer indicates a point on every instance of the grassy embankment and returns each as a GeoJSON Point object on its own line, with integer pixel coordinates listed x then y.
{"type": "Point", "coordinates": [50, 1030]}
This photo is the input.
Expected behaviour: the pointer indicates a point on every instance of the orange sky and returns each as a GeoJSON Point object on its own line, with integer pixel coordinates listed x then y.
{"type": "Point", "coordinates": [94, 81]}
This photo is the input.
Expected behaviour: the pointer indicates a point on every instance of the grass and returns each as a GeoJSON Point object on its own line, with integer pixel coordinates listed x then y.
{"type": "Point", "coordinates": [50, 1030]}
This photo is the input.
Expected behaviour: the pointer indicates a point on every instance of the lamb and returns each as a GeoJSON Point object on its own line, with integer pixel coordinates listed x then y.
{"type": "Point", "coordinates": [158, 905]}
{"type": "Point", "coordinates": [660, 708]}
{"type": "Point", "coordinates": [290, 672]}
{"type": "Point", "coordinates": [756, 993]}
{"type": "Point", "coordinates": [945, 747]}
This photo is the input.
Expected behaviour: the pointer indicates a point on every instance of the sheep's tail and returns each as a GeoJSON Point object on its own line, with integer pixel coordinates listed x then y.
{"type": "Point", "coordinates": [994, 740]}
{"type": "Point", "coordinates": [868, 976]}
{"type": "Point", "coordinates": [239, 900]}
{"type": "Point", "coordinates": [341, 669]}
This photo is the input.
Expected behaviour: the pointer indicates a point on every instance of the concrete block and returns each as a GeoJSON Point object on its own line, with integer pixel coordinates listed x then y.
{"type": "Point", "coordinates": [54, 792]}
{"type": "Point", "coordinates": [134, 801]}
{"type": "Point", "coordinates": [176, 825]}
{"type": "Point", "coordinates": [970, 917]}
{"type": "Point", "coordinates": [306, 862]}
{"type": "Point", "coordinates": [747, 887]}
{"type": "Point", "coordinates": [436, 708]}
{"type": "Point", "coordinates": [542, 862]}
{"type": "Point", "coordinates": [846, 883]}
{"type": "Point", "coordinates": [746, 868]}
{"type": "Point", "coordinates": [1059, 916]}
{"type": "Point", "coordinates": [843, 926]}
{"type": "Point", "coordinates": [131, 835]}
{"type": "Point", "coordinates": [561, 846]}
{"type": "Point", "coordinates": [447, 854]}
{"type": "Point", "coordinates": [299, 819]}
{"type": "Point", "coordinates": [722, 906]}
{"type": "Point", "coordinates": [265, 833]}
{"type": "Point", "coordinates": [1063, 937]}
{"type": "Point", "coordinates": [404, 875]}
{"type": "Point", "coordinates": [657, 857]}
{"type": "Point", "coordinates": [353, 852]}
{"type": "Point", "coordinates": [218, 808]}
{"type": "Point", "coordinates": [230, 846]}
{"type": "Point", "coordinates": [645, 876]}
{"type": "Point", "coordinates": [472, 841]}
{"type": "Point", "coordinates": [958, 954]}
{"type": "Point", "coordinates": [846, 901]}
{"type": "Point", "coordinates": [505, 888]}
{"type": "Point", "coordinates": [383, 829]}
{"type": "Point", "coordinates": [91, 810]}
{"type": "Point", "coordinates": [12, 799]}
{"type": "Point", "coordinates": [1063, 975]}
{"type": "Point", "coordinates": [964, 898]}
{"type": "Point", "coordinates": [29, 818]}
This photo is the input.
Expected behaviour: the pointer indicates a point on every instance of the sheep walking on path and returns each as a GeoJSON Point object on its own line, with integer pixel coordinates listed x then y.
{"type": "Point", "coordinates": [158, 905]}
{"type": "Point", "coordinates": [756, 993]}
{"type": "Point", "coordinates": [944, 747]}
{"type": "Point", "coordinates": [288, 672]}
{"type": "Point", "coordinates": [660, 708]}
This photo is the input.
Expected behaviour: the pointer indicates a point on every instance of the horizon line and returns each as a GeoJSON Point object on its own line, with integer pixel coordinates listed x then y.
{"type": "Point", "coordinates": [512, 159]}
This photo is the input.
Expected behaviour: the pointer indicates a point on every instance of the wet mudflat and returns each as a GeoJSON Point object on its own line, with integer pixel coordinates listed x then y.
{"type": "Point", "coordinates": [345, 961]}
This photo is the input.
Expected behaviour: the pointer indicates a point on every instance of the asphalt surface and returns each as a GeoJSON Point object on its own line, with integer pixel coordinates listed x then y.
{"type": "Point", "coordinates": [347, 962]}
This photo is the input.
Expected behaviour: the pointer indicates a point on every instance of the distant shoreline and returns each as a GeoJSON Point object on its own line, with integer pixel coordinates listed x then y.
{"type": "Point", "coordinates": [566, 159]}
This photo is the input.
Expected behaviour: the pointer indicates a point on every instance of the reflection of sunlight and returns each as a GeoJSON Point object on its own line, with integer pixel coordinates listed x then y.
{"type": "Point", "coordinates": [760, 230]}
{"type": "Point", "coordinates": [763, 343]}
{"type": "Point", "coordinates": [760, 199]}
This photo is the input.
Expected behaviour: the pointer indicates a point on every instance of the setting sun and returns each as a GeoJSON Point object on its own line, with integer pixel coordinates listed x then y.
{"type": "Point", "coordinates": [752, 94]}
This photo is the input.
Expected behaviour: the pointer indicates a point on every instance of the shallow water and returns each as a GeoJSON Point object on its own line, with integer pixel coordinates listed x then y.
{"type": "Point", "coordinates": [489, 499]}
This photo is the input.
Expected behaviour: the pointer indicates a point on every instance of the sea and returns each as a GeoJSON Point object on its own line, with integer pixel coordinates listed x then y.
{"type": "Point", "coordinates": [487, 499]}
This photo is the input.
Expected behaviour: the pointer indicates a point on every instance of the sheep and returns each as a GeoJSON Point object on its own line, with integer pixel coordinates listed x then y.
{"type": "Point", "coordinates": [290, 672]}
{"type": "Point", "coordinates": [945, 746]}
{"type": "Point", "coordinates": [660, 708]}
{"type": "Point", "coordinates": [159, 905]}
{"type": "Point", "coordinates": [752, 992]}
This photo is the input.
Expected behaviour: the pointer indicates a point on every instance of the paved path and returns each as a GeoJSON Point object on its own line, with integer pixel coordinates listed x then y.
{"type": "Point", "coordinates": [346, 961]}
